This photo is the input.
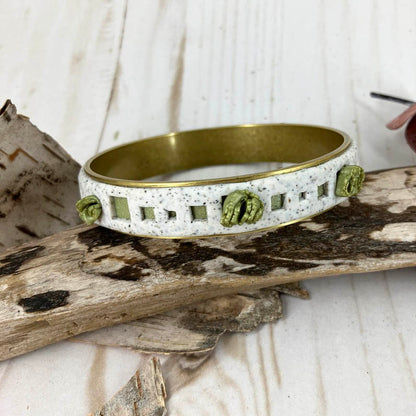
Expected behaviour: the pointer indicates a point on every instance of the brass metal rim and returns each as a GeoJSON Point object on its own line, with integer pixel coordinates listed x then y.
{"type": "Point", "coordinates": [172, 138]}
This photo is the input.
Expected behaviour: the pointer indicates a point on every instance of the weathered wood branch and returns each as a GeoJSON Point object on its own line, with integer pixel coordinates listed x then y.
{"type": "Point", "coordinates": [197, 327]}
{"type": "Point", "coordinates": [143, 395]}
{"type": "Point", "coordinates": [90, 277]}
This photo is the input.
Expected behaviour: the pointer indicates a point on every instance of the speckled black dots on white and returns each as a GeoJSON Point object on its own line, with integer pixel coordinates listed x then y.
{"type": "Point", "coordinates": [300, 190]}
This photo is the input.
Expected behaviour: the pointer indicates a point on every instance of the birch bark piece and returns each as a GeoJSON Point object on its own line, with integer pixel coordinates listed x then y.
{"type": "Point", "coordinates": [87, 278]}
{"type": "Point", "coordinates": [38, 181]}
{"type": "Point", "coordinates": [144, 394]}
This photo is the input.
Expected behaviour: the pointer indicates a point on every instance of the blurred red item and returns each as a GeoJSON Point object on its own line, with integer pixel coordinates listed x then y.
{"type": "Point", "coordinates": [411, 133]}
{"type": "Point", "coordinates": [401, 119]}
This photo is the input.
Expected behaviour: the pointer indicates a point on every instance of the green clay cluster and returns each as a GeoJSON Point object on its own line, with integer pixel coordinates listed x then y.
{"type": "Point", "coordinates": [89, 209]}
{"type": "Point", "coordinates": [350, 180]}
{"type": "Point", "coordinates": [241, 207]}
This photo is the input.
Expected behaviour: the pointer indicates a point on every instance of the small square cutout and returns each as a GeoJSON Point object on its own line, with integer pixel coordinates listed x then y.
{"type": "Point", "coordinates": [302, 196]}
{"type": "Point", "coordinates": [120, 207]}
{"type": "Point", "coordinates": [148, 213]}
{"type": "Point", "coordinates": [171, 215]}
{"type": "Point", "coordinates": [199, 212]}
{"type": "Point", "coordinates": [323, 190]}
{"type": "Point", "coordinates": [277, 201]}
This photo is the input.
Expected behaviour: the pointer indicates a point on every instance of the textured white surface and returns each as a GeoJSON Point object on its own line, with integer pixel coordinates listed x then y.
{"type": "Point", "coordinates": [95, 74]}
{"type": "Point", "coordinates": [181, 199]}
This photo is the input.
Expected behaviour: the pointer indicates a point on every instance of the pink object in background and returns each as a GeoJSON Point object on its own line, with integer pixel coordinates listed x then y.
{"type": "Point", "coordinates": [401, 119]}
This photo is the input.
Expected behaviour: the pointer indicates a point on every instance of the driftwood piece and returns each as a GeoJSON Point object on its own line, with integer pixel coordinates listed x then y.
{"type": "Point", "coordinates": [38, 179]}
{"type": "Point", "coordinates": [143, 395]}
{"type": "Point", "coordinates": [197, 327]}
{"type": "Point", "coordinates": [90, 277]}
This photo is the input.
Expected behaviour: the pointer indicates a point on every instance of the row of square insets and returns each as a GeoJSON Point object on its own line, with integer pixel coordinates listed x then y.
{"type": "Point", "coordinates": [120, 207]}
{"type": "Point", "coordinates": [277, 201]}
{"type": "Point", "coordinates": [322, 192]}
{"type": "Point", "coordinates": [120, 210]}
{"type": "Point", "coordinates": [198, 213]}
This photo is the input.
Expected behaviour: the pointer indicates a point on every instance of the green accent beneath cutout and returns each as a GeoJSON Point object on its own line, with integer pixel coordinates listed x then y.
{"type": "Point", "coordinates": [89, 209]}
{"type": "Point", "coordinates": [121, 207]}
{"type": "Point", "coordinates": [321, 190]}
{"type": "Point", "coordinates": [302, 196]}
{"type": "Point", "coordinates": [199, 212]}
{"type": "Point", "coordinates": [148, 213]}
{"type": "Point", "coordinates": [350, 180]}
{"type": "Point", "coordinates": [241, 207]}
{"type": "Point", "coordinates": [277, 201]}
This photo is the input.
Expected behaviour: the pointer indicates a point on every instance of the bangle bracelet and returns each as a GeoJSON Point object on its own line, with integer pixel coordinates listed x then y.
{"type": "Point", "coordinates": [323, 171]}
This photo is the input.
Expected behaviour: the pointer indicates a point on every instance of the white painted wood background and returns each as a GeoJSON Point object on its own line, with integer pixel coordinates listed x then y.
{"type": "Point", "coordinates": [98, 73]}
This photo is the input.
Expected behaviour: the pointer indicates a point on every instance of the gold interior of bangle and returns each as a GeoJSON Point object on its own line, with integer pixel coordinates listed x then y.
{"type": "Point", "coordinates": [302, 145]}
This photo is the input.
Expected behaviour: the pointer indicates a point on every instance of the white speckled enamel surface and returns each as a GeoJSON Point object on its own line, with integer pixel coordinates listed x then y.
{"type": "Point", "coordinates": [180, 199]}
